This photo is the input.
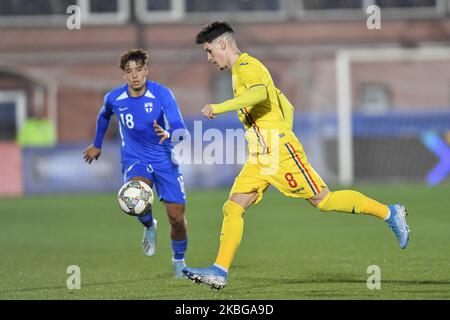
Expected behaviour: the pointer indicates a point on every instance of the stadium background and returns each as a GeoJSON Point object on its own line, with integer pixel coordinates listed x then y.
{"type": "Point", "coordinates": [399, 105]}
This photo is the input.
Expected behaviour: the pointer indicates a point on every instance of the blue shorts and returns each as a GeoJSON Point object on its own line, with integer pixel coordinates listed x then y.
{"type": "Point", "coordinates": [166, 177]}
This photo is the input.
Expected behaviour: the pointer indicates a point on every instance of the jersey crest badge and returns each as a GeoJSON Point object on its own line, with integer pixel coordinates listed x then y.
{"type": "Point", "coordinates": [148, 107]}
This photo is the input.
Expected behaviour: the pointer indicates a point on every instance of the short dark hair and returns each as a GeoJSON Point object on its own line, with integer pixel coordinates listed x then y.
{"type": "Point", "coordinates": [213, 31]}
{"type": "Point", "coordinates": [138, 55]}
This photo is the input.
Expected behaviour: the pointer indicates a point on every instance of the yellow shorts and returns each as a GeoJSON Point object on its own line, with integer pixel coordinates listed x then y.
{"type": "Point", "coordinates": [287, 169]}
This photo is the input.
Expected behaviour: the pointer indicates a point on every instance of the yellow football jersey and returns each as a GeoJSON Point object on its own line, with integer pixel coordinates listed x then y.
{"type": "Point", "coordinates": [263, 122]}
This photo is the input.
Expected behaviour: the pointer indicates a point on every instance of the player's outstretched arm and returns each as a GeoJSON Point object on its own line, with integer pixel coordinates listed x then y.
{"type": "Point", "coordinates": [253, 96]}
{"type": "Point", "coordinates": [208, 111]}
{"type": "Point", "coordinates": [95, 149]}
{"type": "Point", "coordinates": [91, 153]}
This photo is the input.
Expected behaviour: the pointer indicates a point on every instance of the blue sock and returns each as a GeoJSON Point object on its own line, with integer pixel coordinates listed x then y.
{"type": "Point", "coordinates": [179, 248]}
{"type": "Point", "coordinates": [146, 219]}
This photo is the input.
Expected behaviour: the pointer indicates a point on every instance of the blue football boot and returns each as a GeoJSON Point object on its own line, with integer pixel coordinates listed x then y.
{"type": "Point", "coordinates": [397, 223]}
{"type": "Point", "coordinates": [213, 276]}
{"type": "Point", "coordinates": [149, 241]}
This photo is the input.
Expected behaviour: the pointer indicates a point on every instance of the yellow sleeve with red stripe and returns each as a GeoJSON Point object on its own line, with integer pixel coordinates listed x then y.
{"type": "Point", "coordinates": [249, 98]}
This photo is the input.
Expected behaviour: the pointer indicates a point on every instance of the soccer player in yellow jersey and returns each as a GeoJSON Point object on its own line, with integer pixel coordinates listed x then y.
{"type": "Point", "coordinates": [275, 157]}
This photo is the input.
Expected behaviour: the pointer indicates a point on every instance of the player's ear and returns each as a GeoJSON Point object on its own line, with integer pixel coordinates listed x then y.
{"type": "Point", "coordinates": [222, 44]}
{"type": "Point", "coordinates": [123, 75]}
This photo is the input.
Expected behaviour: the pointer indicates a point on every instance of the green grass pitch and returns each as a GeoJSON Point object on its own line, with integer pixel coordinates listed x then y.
{"type": "Point", "coordinates": [289, 249]}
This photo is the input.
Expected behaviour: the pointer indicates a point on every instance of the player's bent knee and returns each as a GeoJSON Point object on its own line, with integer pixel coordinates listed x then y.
{"type": "Point", "coordinates": [175, 212]}
{"type": "Point", "coordinates": [244, 200]}
{"type": "Point", "coordinates": [177, 222]}
{"type": "Point", "coordinates": [319, 199]}
{"type": "Point", "coordinates": [232, 209]}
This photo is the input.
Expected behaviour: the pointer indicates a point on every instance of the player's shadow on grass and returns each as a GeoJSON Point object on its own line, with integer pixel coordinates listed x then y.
{"type": "Point", "coordinates": [264, 282]}
{"type": "Point", "coordinates": [83, 285]}
{"type": "Point", "coordinates": [325, 287]}
{"type": "Point", "coordinates": [335, 280]}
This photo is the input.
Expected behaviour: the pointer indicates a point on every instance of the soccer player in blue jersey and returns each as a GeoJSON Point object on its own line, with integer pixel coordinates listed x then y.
{"type": "Point", "coordinates": [148, 115]}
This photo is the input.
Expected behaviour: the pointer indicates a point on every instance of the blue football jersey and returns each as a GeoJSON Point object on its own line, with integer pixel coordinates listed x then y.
{"type": "Point", "coordinates": [136, 116]}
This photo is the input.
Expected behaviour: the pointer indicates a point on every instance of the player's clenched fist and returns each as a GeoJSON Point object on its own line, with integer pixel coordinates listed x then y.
{"type": "Point", "coordinates": [91, 153]}
{"type": "Point", "coordinates": [208, 112]}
